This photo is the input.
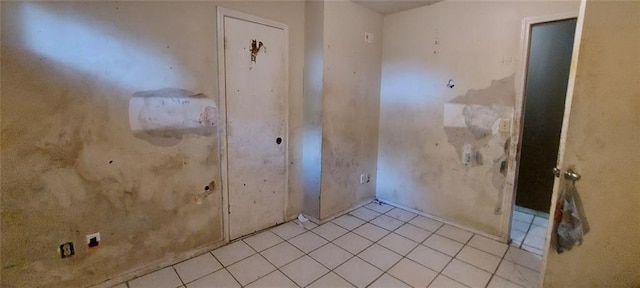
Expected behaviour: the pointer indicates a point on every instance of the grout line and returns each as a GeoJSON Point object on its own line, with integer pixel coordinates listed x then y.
{"type": "Point", "coordinates": [176, 271]}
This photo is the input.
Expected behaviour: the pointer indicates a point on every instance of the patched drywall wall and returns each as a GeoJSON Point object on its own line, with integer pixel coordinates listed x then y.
{"type": "Point", "coordinates": [602, 146]}
{"type": "Point", "coordinates": [441, 147]}
{"type": "Point", "coordinates": [350, 108]}
{"type": "Point", "coordinates": [109, 124]}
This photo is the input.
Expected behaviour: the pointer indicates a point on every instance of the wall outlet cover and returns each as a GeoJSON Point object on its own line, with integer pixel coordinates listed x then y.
{"type": "Point", "coordinates": [93, 240]}
{"type": "Point", "coordinates": [66, 250]}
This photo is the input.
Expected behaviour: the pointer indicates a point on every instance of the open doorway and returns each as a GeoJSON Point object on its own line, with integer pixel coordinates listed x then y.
{"type": "Point", "coordinates": [548, 60]}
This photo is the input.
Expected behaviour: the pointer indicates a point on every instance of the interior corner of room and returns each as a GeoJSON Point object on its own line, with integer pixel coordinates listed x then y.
{"type": "Point", "coordinates": [137, 135]}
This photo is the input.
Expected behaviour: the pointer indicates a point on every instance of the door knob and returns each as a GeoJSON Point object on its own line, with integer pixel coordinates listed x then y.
{"type": "Point", "coordinates": [569, 174]}
{"type": "Point", "coordinates": [278, 140]}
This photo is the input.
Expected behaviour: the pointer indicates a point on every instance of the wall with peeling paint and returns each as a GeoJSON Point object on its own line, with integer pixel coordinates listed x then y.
{"type": "Point", "coordinates": [351, 89]}
{"type": "Point", "coordinates": [92, 141]}
{"type": "Point", "coordinates": [440, 149]}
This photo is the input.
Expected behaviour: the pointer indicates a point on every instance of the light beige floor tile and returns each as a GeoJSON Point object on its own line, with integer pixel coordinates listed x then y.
{"type": "Point", "coordinates": [358, 272]}
{"type": "Point", "coordinates": [371, 232]}
{"type": "Point", "coordinates": [379, 207]}
{"type": "Point", "coordinates": [263, 240]}
{"type": "Point", "coordinates": [352, 242]}
{"type": "Point", "coordinates": [443, 244]}
{"type": "Point", "coordinates": [221, 278]}
{"type": "Point", "coordinates": [397, 243]}
{"type": "Point", "coordinates": [233, 252]}
{"type": "Point", "coordinates": [534, 250]}
{"type": "Point", "coordinates": [520, 226]}
{"type": "Point", "coordinates": [535, 242]}
{"type": "Point", "coordinates": [426, 223]}
{"type": "Point", "coordinates": [306, 224]}
{"type": "Point", "coordinates": [304, 270]}
{"type": "Point", "coordinates": [429, 258]}
{"type": "Point", "coordinates": [387, 281]}
{"type": "Point", "coordinates": [364, 213]}
{"type": "Point", "coordinates": [466, 274]}
{"type": "Point", "coordinates": [401, 215]}
{"type": "Point", "coordinates": [412, 273]}
{"type": "Point", "coordinates": [524, 258]}
{"type": "Point", "coordinates": [445, 282]}
{"type": "Point", "coordinates": [348, 222]}
{"type": "Point", "coordinates": [164, 278]}
{"type": "Point", "coordinates": [517, 237]}
{"type": "Point", "coordinates": [282, 254]}
{"type": "Point", "coordinates": [499, 282]}
{"type": "Point", "coordinates": [250, 269]}
{"type": "Point", "coordinates": [387, 222]}
{"type": "Point", "coordinates": [380, 257]}
{"type": "Point", "coordinates": [518, 274]}
{"type": "Point", "coordinates": [488, 245]}
{"type": "Point", "coordinates": [540, 221]}
{"type": "Point", "coordinates": [288, 230]}
{"type": "Point", "coordinates": [479, 258]}
{"type": "Point", "coordinates": [331, 280]}
{"type": "Point", "coordinates": [274, 279]}
{"type": "Point", "coordinates": [455, 233]}
{"type": "Point", "coordinates": [307, 242]}
{"type": "Point", "coordinates": [330, 231]}
{"type": "Point", "coordinates": [197, 267]}
{"type": "Point", "coordinates": [412, 232]}
{"type": "Point", "coordinates": [537, 231]}
{"type": "Point", "coordinates": [330, 255]}
{"type": "Point", "coordinates": [521, 216]}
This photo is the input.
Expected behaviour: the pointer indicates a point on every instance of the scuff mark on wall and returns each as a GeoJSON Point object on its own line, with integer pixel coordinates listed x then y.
{"type": "Point", "coordinates": [471, 123]}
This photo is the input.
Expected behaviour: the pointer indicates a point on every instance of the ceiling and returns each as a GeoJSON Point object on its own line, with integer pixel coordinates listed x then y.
{"type": "Point", "coordinates": [386, 7]}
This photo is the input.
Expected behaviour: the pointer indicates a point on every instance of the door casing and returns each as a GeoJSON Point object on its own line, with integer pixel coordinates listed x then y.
{"type": "Point", "coordinates": [222, 100]}
{"type": "Point", "coordinates": [509, 200]}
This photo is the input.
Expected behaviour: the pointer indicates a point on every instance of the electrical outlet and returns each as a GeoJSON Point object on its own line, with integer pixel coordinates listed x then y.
{"type": "Point", "coordinates": [368, 37]}
{"type": "Point", "coordinates": [93, 240]}
{"type": "Point", "coordinates": [505, 125]}
{"type": "Point", "coordinates": [66, 250]}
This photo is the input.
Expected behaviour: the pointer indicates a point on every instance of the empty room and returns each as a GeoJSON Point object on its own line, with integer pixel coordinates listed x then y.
{"type": "Point", "coordinates": [346, 143]}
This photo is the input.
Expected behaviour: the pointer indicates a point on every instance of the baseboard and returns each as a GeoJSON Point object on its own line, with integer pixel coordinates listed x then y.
{"type": "Point", "coordinates": [156, 265]}
{"type": "Point", "coordinates": [490, 236]}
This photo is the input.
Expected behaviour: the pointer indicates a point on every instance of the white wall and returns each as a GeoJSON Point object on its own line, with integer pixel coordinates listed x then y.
{"type": "Point", "coordinates": [424, 125]}
{"type": "Point", "coordinates": [71, 164]}
{"type": "Point", "coordinates": [350, 105]}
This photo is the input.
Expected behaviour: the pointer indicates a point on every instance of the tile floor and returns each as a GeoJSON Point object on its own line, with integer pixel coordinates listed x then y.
{"type": "Point", "coordinates": [373, 246]}
{"type": "Point", "coordinates": [528, 232]}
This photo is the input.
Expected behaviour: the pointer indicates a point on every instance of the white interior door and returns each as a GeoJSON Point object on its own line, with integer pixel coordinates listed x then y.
{"type": "Point", "coordinates": [600, 142]}
{"type": "Point", "coordinates": [255, 60]}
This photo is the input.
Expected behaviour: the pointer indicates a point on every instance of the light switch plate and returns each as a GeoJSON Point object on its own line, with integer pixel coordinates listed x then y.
{"type": "Point", "coordinates": [368, 37]}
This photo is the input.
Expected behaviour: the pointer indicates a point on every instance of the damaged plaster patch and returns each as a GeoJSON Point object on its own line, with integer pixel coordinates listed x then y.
{"type": "Point", "coordinates": [471, 123]}
{"type": "Point", "coordinates": [170, 113]}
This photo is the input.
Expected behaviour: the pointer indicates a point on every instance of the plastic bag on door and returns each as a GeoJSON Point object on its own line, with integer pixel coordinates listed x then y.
{"type": "Point", "coordinates": [572, 223]}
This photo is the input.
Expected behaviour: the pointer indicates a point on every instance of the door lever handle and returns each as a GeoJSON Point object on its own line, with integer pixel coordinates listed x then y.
{"type": "Point", "coordinates": [557, 171]}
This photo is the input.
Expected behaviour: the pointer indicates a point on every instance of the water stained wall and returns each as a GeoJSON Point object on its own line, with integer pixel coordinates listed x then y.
{"type": "Point", "coordinates": [109, 124]}
{"type": "Point", "coordinates": [445, 147]}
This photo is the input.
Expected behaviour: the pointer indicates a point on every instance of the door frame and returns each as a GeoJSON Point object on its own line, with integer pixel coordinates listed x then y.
{"type": "Point", "coordinates": [223, 12]}
{"type": "Point", "coordinates": [515, 147]}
